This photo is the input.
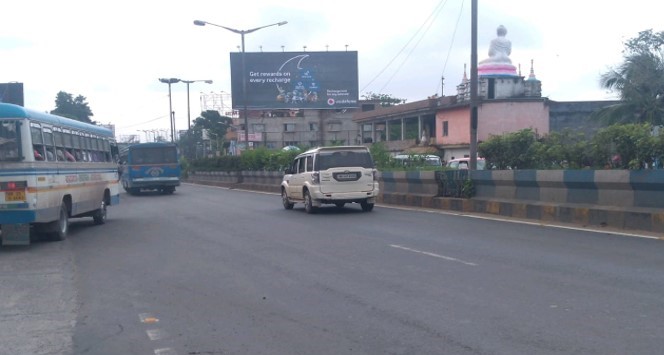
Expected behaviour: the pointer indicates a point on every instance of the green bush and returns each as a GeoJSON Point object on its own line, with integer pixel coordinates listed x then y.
{"type": "Point", "coordinates": [625, 146]}
{"type": "Point", "coordinates": [261, 159]}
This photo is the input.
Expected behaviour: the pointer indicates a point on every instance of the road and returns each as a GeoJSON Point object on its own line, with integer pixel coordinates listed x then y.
{"type": "Point", "coordinates": [215, 271]}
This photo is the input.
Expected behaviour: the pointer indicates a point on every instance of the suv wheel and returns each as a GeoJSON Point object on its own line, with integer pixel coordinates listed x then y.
{"type": "Point", "coordinates": [284, 199]}
{"type": "Point", "coordinates": [366, 206]}
{"type": "Point", "coordinates": [308, 204]}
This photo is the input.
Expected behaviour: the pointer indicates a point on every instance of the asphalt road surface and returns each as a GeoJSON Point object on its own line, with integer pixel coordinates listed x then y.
{"type": "Point", "coordinates": [215, 271]}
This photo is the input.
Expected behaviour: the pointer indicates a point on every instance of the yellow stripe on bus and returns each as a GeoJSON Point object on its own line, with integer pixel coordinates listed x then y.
{"type": "Point", "coordinates": [63, 187]}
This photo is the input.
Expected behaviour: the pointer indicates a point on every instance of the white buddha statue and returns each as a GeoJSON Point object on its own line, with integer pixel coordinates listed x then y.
{"type": "Point", "coordinates": [499, 62]}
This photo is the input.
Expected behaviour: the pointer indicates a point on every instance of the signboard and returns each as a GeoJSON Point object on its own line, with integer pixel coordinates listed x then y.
{"type": "Point", "coordinates": [253, 137]}
{"type": "Point", "coordinates": [295, 80]}
{"type": "Point", "coordinates": [11, 93]}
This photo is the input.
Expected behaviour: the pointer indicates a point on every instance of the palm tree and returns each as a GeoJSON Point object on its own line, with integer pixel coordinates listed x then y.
{"type": "Point", "coordinates": [640, 82]}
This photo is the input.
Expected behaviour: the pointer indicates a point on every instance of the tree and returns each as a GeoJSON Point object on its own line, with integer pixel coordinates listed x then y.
{"type": "Point", "coordinates": [213, 122]}
{"type": "Point", "coordinates": [210, 125]}
{"type": "Point", "coordinates": [566, 149]}
{"type": "Point", "coordinates": [385, 100]}
{"type": "Point", "coordinates": [516, 150]}
{"type": "Point", "coordinates": [629, 146]}
{"type": "Point", "coordinates": [75, 108]}
{"type": "Point", "coordinates": [639, 80]}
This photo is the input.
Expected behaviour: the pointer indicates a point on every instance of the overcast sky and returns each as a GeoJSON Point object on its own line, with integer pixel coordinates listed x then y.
{"type": "Point", "coordinates": [113, 52]}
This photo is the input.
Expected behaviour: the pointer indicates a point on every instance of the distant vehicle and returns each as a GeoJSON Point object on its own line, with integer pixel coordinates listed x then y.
{"type": "Point", "coordinates": [52, 169]}
{"type": "Point", "coordinates": [150, 166]}
{"type": "Point", "coordinates": [331, 175]}
{"type": "Point", "coordinates": [291, 148]}
{"type": "Point", "coordinates": [464, 163]}
{"type": "Point", "coordinates": [419, 160]}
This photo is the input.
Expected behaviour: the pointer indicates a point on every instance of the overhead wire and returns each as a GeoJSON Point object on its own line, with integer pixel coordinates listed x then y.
{"type": "Point", "coordinates": [436, 10]}
{"type": "Point", "coordinates": [430, 23]}
{"type": "Point", "coordinates": [142, 123]}
{"type": "Point", "coordinates": [449, 51]}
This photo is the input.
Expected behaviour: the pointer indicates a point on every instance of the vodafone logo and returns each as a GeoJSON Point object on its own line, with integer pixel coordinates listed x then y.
{"type": "Point", "coordinates": [330, 102]}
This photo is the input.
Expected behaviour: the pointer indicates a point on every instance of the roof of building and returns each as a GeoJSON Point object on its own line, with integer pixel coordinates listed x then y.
{"type": "Point", "coordinates": [430, 105]}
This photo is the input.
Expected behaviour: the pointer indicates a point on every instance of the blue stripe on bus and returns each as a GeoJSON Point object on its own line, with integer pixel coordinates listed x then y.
{"type": "Point", "coordinates": [14, 217]}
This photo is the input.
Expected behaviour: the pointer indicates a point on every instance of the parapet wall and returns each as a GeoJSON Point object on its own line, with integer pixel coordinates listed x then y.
{"type": "Point", "coordinates": [616, 188]}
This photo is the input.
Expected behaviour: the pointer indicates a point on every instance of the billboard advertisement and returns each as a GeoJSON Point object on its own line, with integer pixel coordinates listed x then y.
{"type": "Point", "coordinates": [11, 93]}
{"type": "Point", "coordinates": [295, 80]}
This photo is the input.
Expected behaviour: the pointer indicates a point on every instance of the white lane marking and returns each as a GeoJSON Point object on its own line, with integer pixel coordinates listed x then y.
{"type": "Point", "coordinates": [165, 351]}
{"type": "Point", "coordinates": [506, 219]}
{"type": "Point", "coordinates": [233, 189]}
{"type": "Point", "coordinates": [433, 254]}
{"type": "Point", "coordinates": [156, 334]}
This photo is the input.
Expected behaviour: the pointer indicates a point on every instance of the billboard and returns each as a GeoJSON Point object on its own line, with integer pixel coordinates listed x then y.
{"type": "Point", "coordinates": [295, 80]}
{"type": "Point", "coordinates": [11, 93]}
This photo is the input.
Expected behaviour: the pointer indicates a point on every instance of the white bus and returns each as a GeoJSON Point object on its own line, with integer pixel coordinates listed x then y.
{"type": "Point", "coordinates": [51, 169]}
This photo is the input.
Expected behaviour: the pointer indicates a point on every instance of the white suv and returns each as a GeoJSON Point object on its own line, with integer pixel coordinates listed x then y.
{"type": "Point", "coordinates": [331, 175]}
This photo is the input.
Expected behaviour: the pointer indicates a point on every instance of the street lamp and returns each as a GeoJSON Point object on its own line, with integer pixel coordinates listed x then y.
{"type": "Point", "coordinates": [188, 109]}
{"type": "Point", "coordinates": [170, 104]}
{"type": "Point", "coordinates": [244, 77]}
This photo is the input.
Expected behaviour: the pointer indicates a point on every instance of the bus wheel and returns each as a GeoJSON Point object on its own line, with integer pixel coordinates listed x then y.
{"type": "Point", "coordinates": [99, 216]}
{"type": "Point", "coordinates": [168, 190]}
{"type": "Point", "coordinates": [60, 228]}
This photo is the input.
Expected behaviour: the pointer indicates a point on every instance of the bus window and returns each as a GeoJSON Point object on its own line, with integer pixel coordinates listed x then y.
{"type": "Point", "coordinates": [37, 142]}
{"type": "Point", "coordinates": [9, 141]}
{"type": "Point", "coordinates": [59, 144]}
{"type": "Point", "coordinates": [107, 150]}
{"type": "Point", "coordinates": [49, 144]}
{"type": "Point", "coordinates": [98, 149]}
{"type": "Point", "coordinates": [68, 144]}
{"type": "Point", "coordinates": [85, 146]}
{"type": "Point", "coordinates": [78, 145]}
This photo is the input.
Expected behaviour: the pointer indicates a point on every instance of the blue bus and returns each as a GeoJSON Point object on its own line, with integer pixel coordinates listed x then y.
{"type": "Point", "coordinates": [150, 166]}
{"type": "Point", "coordinates": [52, 169]}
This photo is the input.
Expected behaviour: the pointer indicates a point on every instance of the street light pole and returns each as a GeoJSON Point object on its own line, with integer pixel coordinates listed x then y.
{"type": "Point", "coordinates": [473, 86]}
{"type": "Point", "coordinates": [244, 77]}
{"type": "Point", "coordinates": [188, 109]}
{"type": "Point", "coordinates": [170, 104]}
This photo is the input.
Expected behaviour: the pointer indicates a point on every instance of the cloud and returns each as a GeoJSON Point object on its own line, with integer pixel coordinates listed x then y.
{"type": "Point", "coordinates": [114, 52]}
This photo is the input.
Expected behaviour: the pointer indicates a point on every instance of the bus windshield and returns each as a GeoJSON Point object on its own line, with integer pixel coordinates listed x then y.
{"type": "Point", "coordinates": [154, 155]}
{"type": "Point", "coordinates": [9, 141]}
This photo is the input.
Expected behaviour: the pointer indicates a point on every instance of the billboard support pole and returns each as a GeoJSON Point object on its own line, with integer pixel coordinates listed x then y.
{"type": "Point", "coordinates": [244, 78]}
{"type": "Point", "coordinates": [244, 96]}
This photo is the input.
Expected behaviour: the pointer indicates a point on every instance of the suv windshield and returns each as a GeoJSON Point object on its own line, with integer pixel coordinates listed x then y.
{"type": "Point", "coordinates": [327, 160]}
{"type": "Point", "coordinates": [9, 141]}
